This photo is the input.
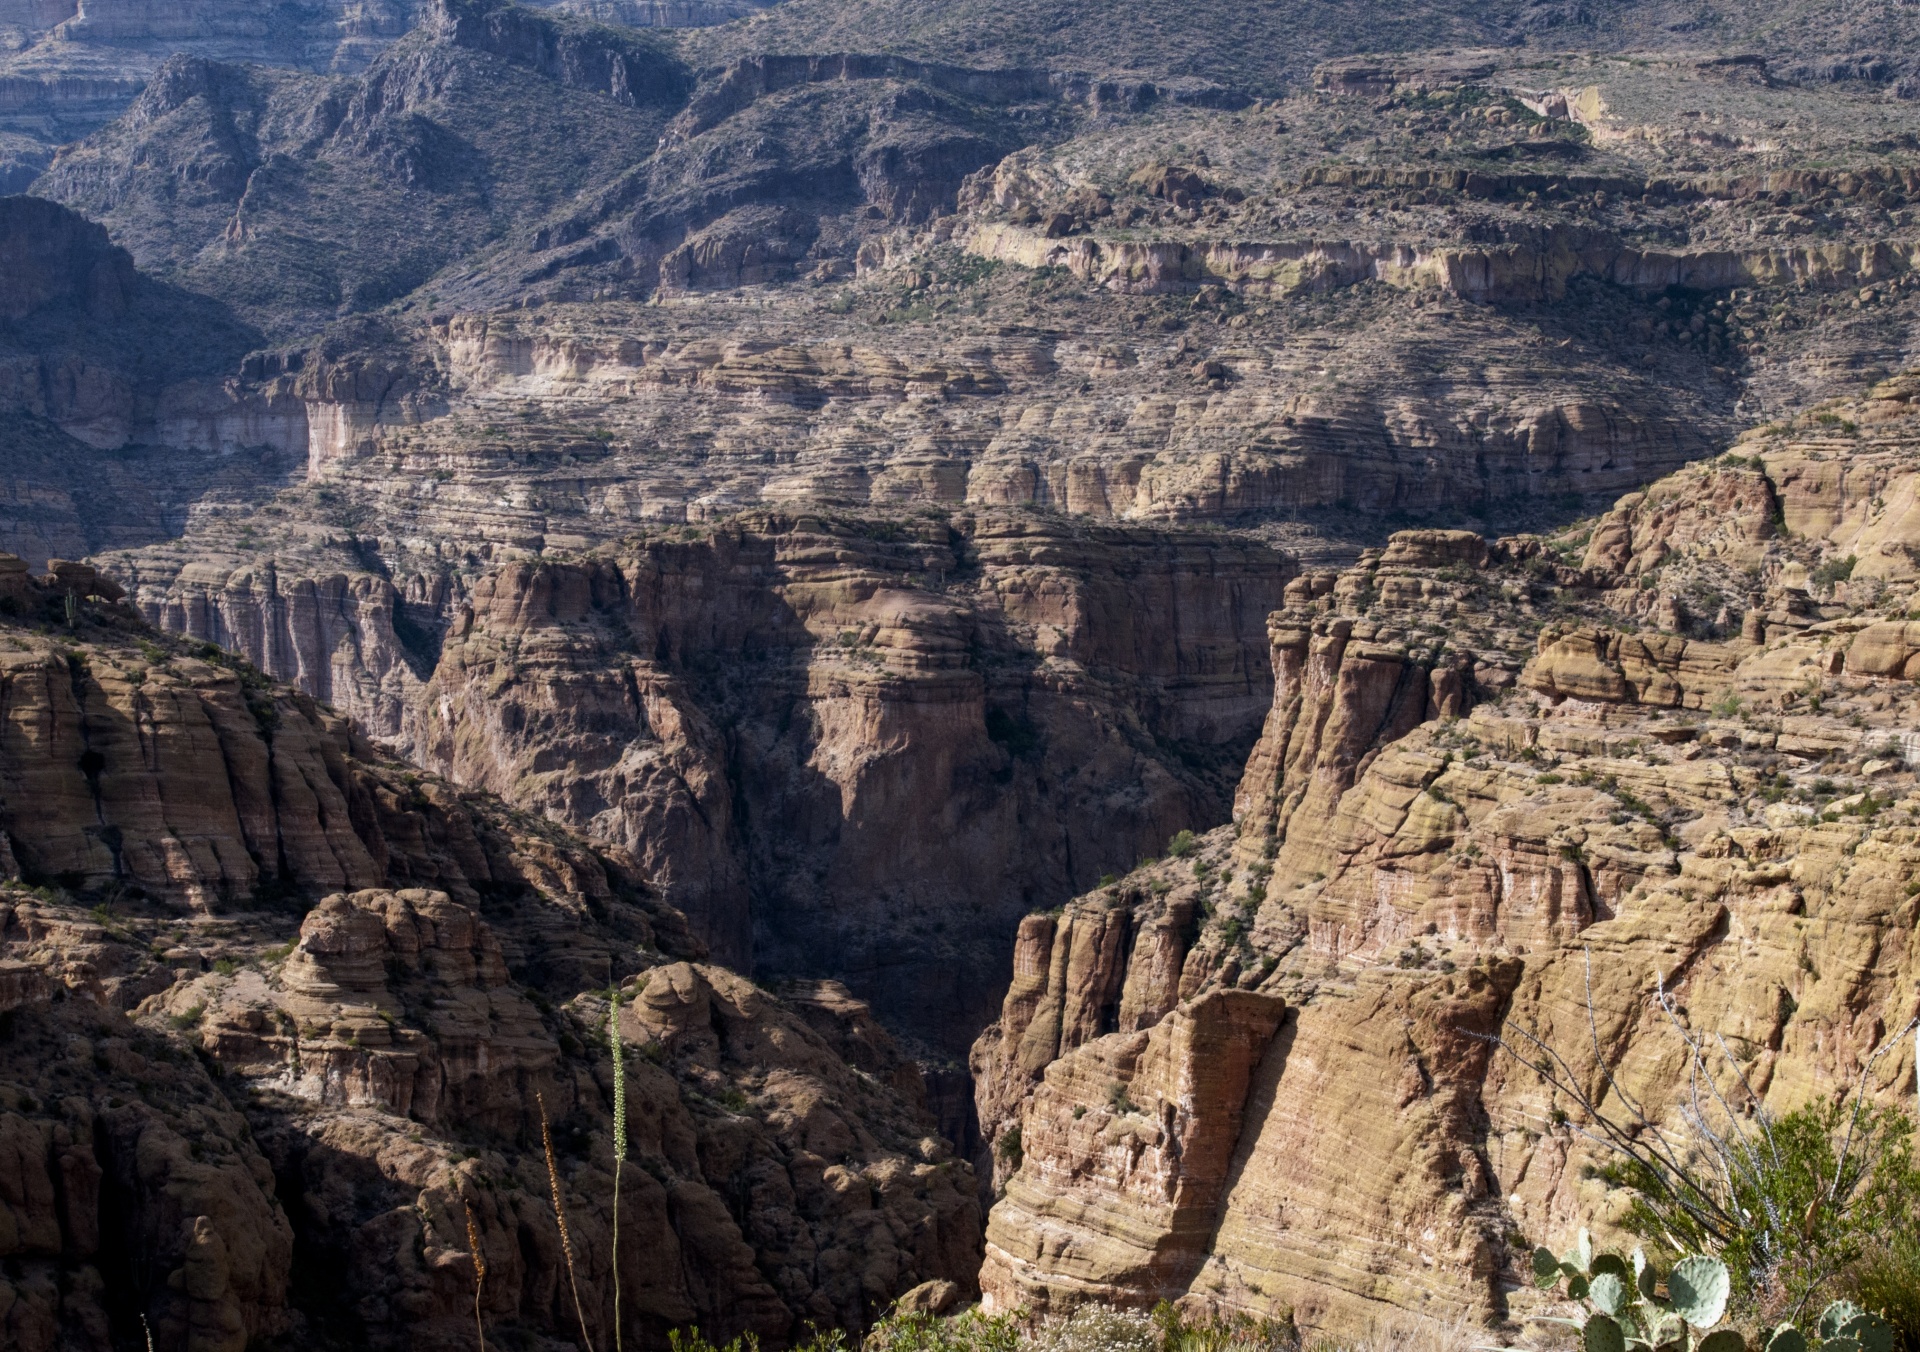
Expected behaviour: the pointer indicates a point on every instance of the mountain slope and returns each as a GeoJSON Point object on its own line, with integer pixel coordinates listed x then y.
{"type": "Point", "coordinates": [298, 197]}
{"type": "Point", "coordinates": [280, 1021]}
{"type": "Point", "coordinates": [1270, 49]}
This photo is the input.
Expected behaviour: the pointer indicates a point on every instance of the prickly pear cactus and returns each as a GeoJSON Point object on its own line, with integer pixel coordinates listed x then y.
{"type": "Point", "coordinates": [1627, 1313]}
{"type": "Point", "coordinates": [1843, 1327]}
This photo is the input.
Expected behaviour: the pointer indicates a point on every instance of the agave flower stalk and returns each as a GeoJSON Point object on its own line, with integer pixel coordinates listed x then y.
{"type": "Point", "coordinates": [560, 1215]}
{"type": "Point", "coordinates": [479, 1275]}
{"type": "Point", "coordinates": [619, 1145]}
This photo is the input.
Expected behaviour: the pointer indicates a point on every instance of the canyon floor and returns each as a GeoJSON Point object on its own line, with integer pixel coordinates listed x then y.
{"type": "Point", "coordinates": [1073, 605]}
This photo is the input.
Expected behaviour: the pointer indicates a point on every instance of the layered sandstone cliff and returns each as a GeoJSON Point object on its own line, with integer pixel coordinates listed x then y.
{"type": "Point", "coordinates": [769, 714]}
{"type": "Point", "coordinates": [1622, 793]}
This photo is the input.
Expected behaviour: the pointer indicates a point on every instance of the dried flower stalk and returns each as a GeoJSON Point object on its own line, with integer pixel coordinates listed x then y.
{"type": "Point", "coordinates": [560, 1214]}
{"type": "Point", "coordinates": [619, 1146]}
{"type": "Point", "coordinates": [479, 1275]}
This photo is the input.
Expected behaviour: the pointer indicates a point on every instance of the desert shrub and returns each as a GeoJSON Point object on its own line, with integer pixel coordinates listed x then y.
{"type": "Point", "coordinates": [968, 1332]}
{"type": "Point", "coordinates": [1833, 570]}
{"type": "Point", "coordinates": [1103, 1328]}
{"type": "Point", "coordinates": [1009, 1148]}
{"type": "Point", "coordinates": [1798, 1207]}
{"type": "Point", "coordinates": [1887, 1279]}
{"type": "Point", "coordinates": [693, 1340]}
{"type": "Point", "coordinates": [1234, 1333]}
{"type": "Point", "coordinates": [1818, 1191]}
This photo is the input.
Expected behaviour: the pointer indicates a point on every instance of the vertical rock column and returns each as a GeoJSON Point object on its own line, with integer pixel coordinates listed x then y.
{"type": "Point", "coordinates": [1127, 1150]}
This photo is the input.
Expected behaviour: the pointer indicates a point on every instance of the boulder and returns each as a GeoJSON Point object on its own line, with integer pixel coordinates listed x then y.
{"type": "Point", "coordinates": [1180, 186]}
{"type": "Point", "coordinates": [1434, 549]}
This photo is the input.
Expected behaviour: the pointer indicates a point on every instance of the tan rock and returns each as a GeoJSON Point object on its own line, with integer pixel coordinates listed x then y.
{"type": "Point", "coordinates": [931, 1298]}
{"type": "Point", "coordinates": [1126, 1147]}
{"type": "Point", "coordinates": [1640, 809]}
{"type": "Point", "coordinates": [1434, 549]}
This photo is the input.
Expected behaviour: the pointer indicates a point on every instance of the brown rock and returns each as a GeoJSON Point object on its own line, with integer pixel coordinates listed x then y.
{"type": "Point", "coordinates": [1640, 807]}
{"type": "Point", "coordinates": [539, 699]}
{"type": "Point", "coordinates": [1180, 186]}
{"type": "Point", "coordinates": [1434, 549]}
{"type": "Point", "coordinates": [930, 1298]}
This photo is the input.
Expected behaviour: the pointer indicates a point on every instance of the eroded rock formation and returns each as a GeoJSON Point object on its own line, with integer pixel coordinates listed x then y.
{"type": "Point", "coordinates": [1722, 810]}
{"type": "Point", "coordinates": [220, 1113]}
{"type": "Point", "coordinates": [963, 710]}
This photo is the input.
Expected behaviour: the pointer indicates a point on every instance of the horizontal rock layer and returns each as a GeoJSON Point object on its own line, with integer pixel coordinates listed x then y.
{"type": "Point", "coordinates": [1620, 796]}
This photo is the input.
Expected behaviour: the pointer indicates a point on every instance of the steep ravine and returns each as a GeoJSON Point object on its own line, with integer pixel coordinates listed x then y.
{"type": "Point", "coordinates": [841, 744]}
{"type": "Point", "coordinates": [301, 1032]}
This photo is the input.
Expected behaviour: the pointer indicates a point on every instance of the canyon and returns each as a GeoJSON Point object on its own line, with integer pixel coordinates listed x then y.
{"type": "Point", "coordinates": [246, 1104]}
{"type": "Point", "coordinates": [1058, 615]}
{"type": "Point", "coordinates": [1500, 783]}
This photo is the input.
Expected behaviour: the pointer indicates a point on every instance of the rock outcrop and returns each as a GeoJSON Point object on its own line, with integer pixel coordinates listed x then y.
{"type": "Point", "coordinates": [1723, 811]}
{"type": "Point", "coordinates": [1129, 1144]}
{"type": "Point", "coordinates": [220, 1109]}
{"type": "Point", "coordinates": [867, 694]}
{"type": "Point", "coordinates": [55, 258]}
{"type": "Point", "coordinates": [395, 1014]}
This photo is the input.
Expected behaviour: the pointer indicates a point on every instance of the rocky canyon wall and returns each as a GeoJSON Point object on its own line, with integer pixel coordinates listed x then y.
{"type": "Point", "coordinates": [1717, 805]}
{"type": "Point", "coordinates": [225, 1106]}
{"type": "Point", "coordinates": [859, 747]}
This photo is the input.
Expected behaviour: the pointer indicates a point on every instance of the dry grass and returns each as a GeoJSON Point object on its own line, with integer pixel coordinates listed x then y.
{"type": "Point", "coordinates": [1404, 1331]}
{"type": "Point", "coordinates": [1097, 1328]}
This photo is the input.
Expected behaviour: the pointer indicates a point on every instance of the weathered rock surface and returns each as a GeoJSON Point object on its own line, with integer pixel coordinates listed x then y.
{"type": "Point", "coordinates": [68, 66]}
{"type": "Point", "coordinates": [1009, 734]}
{"type": "Point", "coordinates": [537, 546]}
{"type": "Point", "coordinates": [1722, 812]}
{"type": "Point", "coordinates": [1131, 1139]}
{"type": "Point", "coordinates": [829, 476]}
{"type": "Point", "coordinates": [395, 1013]}
{"type": "Point", "coordinates": [221, 1114]}
{"type": "Point", "coordinates": [693, 695]}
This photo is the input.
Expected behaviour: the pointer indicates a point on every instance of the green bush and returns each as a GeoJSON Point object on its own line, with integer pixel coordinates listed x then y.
{"type": "Point", "coordinates": [1009, 1148]}
{"type": "Point", "coordinates": [1818, 1204]}
{"type": "Point", "coordinates": [969, 1332]}
{"type": "Point", "coordinates": [1235, 1333]}
{"type": "Point", "coordinates": [1832, 571]}
{"type": "Point", "coordinates": [1820, 1190]}
{"type": "Point", "coordinates": [1887, 1279]}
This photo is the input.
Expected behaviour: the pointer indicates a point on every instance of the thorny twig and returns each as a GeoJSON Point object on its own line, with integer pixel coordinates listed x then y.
{"type": "Point", "coordinates": [1736, 1152]}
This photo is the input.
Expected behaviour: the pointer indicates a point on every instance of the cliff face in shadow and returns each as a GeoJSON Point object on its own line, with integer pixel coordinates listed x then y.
{"type": "Point", "coordinates": [113, 404]}
{"type": "Point", "coordinates": [316, 1011]}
